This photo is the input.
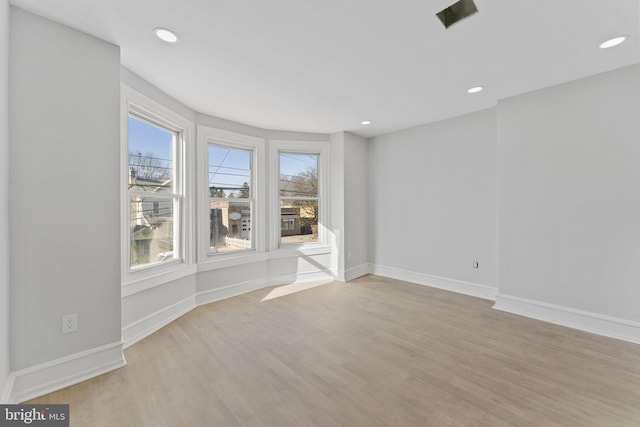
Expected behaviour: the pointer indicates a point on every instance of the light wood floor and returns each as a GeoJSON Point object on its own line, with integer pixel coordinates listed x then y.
{"type": "Point", "coordinates": [372, 352]}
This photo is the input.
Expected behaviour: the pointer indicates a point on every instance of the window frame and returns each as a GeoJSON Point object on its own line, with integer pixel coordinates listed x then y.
{"type": "Point", "coordinates": [321, 149]}
{"type": "Point", "coordinates": [143, 108]}
{"type": "Point", "coordinates": [211, 136]}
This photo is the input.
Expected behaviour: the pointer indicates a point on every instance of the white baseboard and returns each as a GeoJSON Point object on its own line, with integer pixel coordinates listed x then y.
{"type": "Point", "coordinates": [338, 275]}
{"type": "Point", "coordinates": [213, 295]}
{"type": "Point", "coordinates": [595, 323]}
{"type": "Point", "coordinates": [59, 373]}
{"type": "Point", "coordinates": [218, 294]}
{"type": "Point", "coordinates": [144, 327]}
{"type": "Point", "coordinates": [357, 271]}
{"type": "Point", "coordinates": [453, 285]}
{"type": "Point", "coordinates": [311, 276]}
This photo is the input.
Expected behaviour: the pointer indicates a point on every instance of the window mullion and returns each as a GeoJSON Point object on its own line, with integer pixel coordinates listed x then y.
{"type": "Point", "coordinates": [299, 198]}
{"type": "Point", "coordinates": [155, 195]}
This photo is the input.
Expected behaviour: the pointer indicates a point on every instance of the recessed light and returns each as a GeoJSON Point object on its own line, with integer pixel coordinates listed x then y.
{"type": "Point", "coordinates": [475, 89]}
{"type": "Point", "coordinates": [613, 42]}
{"type": "Point", "coordinates": [166, 35]}
{"type": "Point", "coordinates": [365, 122]}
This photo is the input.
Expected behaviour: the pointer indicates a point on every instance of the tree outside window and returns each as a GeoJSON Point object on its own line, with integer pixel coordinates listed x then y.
{"type": "Point", "coordinates": [299, 198]}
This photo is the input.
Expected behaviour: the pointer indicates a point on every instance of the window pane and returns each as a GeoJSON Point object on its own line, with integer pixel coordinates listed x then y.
{"type": "Point", "coordinates": [150, 157]}
{"type": "Point", "coordinates": [229, 226]}
{"type": "Point", "coordinates": [229, 172]}
{"type": "Point", "coordinates": [151, 233]}
{"type": "Point", "coordinates": [298, 175]}
{"type": "Point", "coordinates": [298, 221]}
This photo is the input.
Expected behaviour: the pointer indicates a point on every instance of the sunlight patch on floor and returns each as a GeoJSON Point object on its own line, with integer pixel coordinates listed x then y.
{"type": "Point", "coordinates": [281, 291]}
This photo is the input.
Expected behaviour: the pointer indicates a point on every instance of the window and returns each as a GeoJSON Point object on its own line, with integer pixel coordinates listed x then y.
{"type": "Point", "coordinates": [298, 187]}
{"type": "Point", "coordinates": [299, 197]}
{"type": "Point", "coordinates": [157, 193]}
{"type": "Point", "coordinates": [231, 198]}
{"type": "Point", "coordinates": [154, 192]}
{"type": "Point", "coordinates": [231, 213]}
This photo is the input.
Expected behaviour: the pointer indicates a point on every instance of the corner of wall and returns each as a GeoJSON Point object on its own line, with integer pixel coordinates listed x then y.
{"type": "Point", "coordinates": [337, 202]}
{"type": "Point", "coordinates": [358, 271]}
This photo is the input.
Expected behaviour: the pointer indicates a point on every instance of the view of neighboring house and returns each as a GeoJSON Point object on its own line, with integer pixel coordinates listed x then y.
{"type": "Point", "coordinates": [151, 220]}
{"type": "Point", "coordinates": [230, 225]}
{"type": "Point", "coordinates": [290, 222]}
{"type": "Point", "coordinates": [298, 222]}
{"type": "Point", "coordinates": [230, 222]}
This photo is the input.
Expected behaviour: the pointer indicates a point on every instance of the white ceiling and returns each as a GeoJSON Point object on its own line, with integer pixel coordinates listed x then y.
{"type": "Point", "coordinates": [324, 66]}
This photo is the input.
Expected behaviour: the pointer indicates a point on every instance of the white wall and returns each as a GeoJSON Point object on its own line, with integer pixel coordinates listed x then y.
{"type": "Point", "coordinates": [349, 206]}
{"type": "Point", "coordinates": [356, 203]}
{"type": "Point", "coordinates": [433, 192]}
{"type": "Point", "coordinates": [64, 190]}
{"type": "Point", "coordinates": [569, 201]}
{"type": "Point", "coordinates": [4, 200]}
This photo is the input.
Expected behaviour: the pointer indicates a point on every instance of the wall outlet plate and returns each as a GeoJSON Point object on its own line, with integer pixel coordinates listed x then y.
{"type": "Point", "coordinates": [69, 323]}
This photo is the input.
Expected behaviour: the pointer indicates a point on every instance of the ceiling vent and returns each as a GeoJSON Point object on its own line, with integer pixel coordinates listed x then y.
{"type": "Point", "coordinates": [457, 12]}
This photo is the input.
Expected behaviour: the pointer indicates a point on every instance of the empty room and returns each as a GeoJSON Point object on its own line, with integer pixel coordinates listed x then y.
{"type": "Point", "coordinates": [337, 213]}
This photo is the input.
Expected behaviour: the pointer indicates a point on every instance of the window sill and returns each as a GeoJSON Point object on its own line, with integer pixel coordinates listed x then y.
{"type": "Point", "coordinates": [155, 277]}
{"type": "Point", "coordinates": [216, 262]}
{"type": "Point", "coordinates": [289, 251]}
{"type": "Point", "coordinates": [160, 276]}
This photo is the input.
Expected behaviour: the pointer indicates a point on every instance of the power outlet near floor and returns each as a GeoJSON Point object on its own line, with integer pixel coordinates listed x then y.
{"type": "Point", "coordinates": [70, 323]}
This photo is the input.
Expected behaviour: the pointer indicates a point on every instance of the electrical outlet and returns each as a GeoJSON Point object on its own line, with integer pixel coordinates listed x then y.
{"type": "Point", "coordinates": [69, 323]}
{"type": "Point", "coordinates": [475, 264]}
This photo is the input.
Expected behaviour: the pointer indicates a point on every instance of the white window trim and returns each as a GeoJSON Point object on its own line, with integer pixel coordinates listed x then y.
{"type": "Point", "coordinates": [208, 135]}
{"type": "Point", "coordinates": [324, 221]}
{"type": "Point", "coordinates": [146, 277]}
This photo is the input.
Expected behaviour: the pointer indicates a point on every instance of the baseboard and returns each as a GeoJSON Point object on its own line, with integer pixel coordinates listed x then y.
{"type": "Point", "coordinates": [144, 327]}
{"type": "Point", "coordinates": [595, 323]}
{"type": "Point", "coordinates": [59, 373]}
{"type": "Point", "coordinates": [311, 276]}
{"type": "Point", "coordinates": [218, 294]}
{"type": "Point", "coordinates": [338, 275]}
{"type": "Point", "coordinates": [453, 285]}
{"type": "Point", "coordinates": [358, 271]}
